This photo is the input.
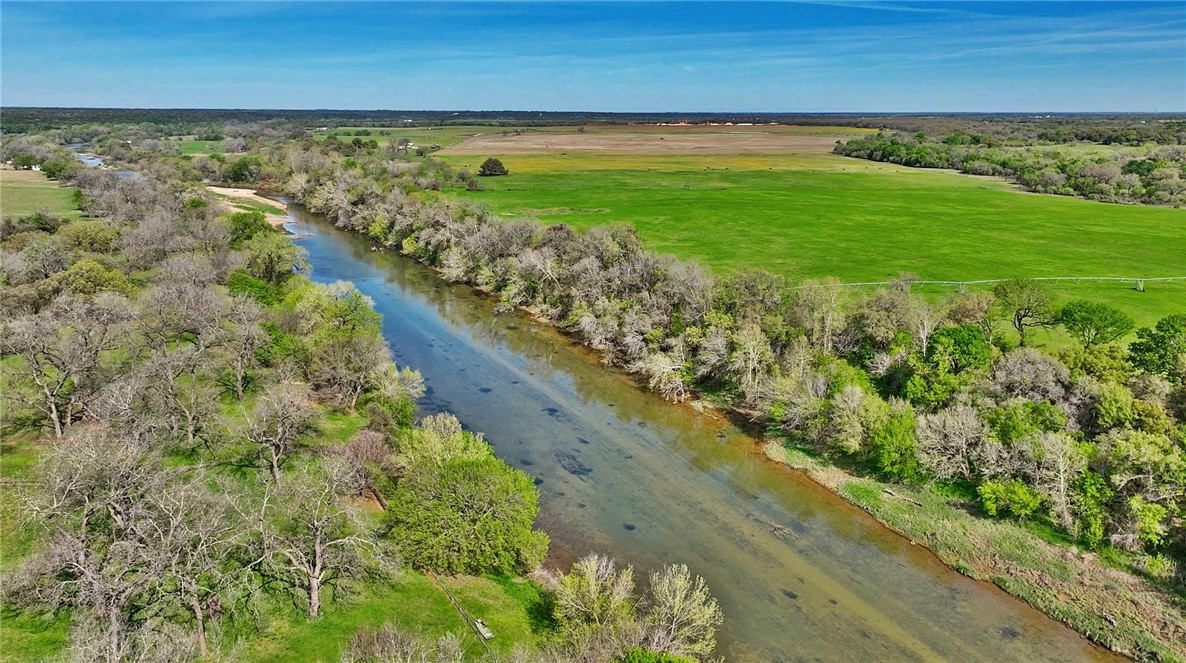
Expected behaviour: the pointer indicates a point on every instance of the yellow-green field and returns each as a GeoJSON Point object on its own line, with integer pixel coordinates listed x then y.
{"type": "Point", "coordinates": [24, 192]}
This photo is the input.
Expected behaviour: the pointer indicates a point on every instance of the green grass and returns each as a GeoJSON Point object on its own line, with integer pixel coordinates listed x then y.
{"type": "Point", "coordinates": [812, 216]}
{"type": "Point", "coordinates": [26, 636]}
{"type": "Point", "coordinates": [18, 455]}
{"type": "Point", "coordinates": [414, 603]}
{"type": "Point", "coordinates": [512, 608]}
{"type": "Point", "coordinates": [201, 147]}
{"type": "Point", "coordinates": [26, 192]}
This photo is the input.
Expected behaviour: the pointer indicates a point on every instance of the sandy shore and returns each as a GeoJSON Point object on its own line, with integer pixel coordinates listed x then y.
{"type": "Point", "coordinates": [249, 195]}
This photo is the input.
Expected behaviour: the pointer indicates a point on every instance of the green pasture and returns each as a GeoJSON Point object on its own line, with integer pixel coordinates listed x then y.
{"type": "Point", "coordinates": [24, 192]}
{"type": "Point", "coordinates": [814, 216]}
{"type": "Point", "coordinates": [201, 147]}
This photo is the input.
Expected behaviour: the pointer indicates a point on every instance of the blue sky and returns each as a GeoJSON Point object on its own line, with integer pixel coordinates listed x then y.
{"type": "Point", "coordinates": [810, 56]}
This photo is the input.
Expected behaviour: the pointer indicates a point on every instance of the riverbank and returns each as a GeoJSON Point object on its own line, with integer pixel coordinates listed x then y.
{"type": "Point", "coordinates": [1121, 611]}
{"type": "Point", "coordinates": [800, 572]}
{"type": "Point", "coordinates": [1116, 609]}
{"type": "Point", "coordinates": [250, 200]}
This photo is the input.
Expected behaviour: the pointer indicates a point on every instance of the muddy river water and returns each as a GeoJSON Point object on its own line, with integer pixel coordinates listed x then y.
{"type": "Point", "coordinates": [801, 574]}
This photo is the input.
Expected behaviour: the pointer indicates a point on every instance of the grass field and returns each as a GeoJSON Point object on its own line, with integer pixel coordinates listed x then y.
{"type": "Point", "coordinates": [443, 136]}
{"type": "Point", "coordinates": [201, 147]}
{"type": "Point", "coordinates": [25, 192]}
{"type": "Point", "coordinates": [817, 215]}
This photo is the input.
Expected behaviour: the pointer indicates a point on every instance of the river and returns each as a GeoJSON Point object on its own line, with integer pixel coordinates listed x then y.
{"type": "Point", "coordinates": [801, 574]}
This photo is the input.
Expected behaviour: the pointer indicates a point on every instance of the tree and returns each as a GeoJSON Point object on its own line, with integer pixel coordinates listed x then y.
{"type": "Point", "coordinates": [1094, 323]}
{"type": "Point", "coordinates": [1162, 349]}
{"type": "Point", "coordinates": [368, 464]}
{"type": "Point", "coordinates": [949, 441]}
{"type": "Point", "coordinates": [61, 350]}
{"type": "Point", "coordinates": [492, 168]}
{"type": "Point", "coordinates": [1060, 463]}
{"type": "Point", "coordinates": [273, 258]}
{"type": "Point", "coordinates": [595, 595]}
{"type": "Point", "coordinates": [275, 426]}
{"type": "Point", "coordinates": [1026, 303]}
{"type": "Point", "coordinates": [750, 358]}
{"type": "Point", "coordinates": [245, 225]}
{"type": "Point", "coordinates": [1013, 496]}
{"type": "Point", "coordinates": [199, 538]}
{"type": "Point", "coordinates": [242, 337]}
{"type": "Point", "coordinates": [470, 515]}
{"type": "Point", "coordinates": [101, 555]}
{"type": "Point", "coordinates": [892, 446]}
{"type": "Point", "coordinates": [245, 170]}
{"type": "Point", "coordinates": [682, 615]}
{"type": "Point", "coordinates": [311, 540]}
{"type": "Point", "coordinates": [87, 277]}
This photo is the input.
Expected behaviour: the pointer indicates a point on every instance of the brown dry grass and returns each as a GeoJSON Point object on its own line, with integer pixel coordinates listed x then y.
{"type": "Point", "coordinates": [25, 177]}
{"type": "Point", "coordinates": [653, 140]}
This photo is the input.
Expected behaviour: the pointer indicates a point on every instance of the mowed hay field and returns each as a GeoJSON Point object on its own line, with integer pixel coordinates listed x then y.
{"type": "Point", "coordinates": [812, 215]}
{"type": "Point", "coordinates": [24, 192]}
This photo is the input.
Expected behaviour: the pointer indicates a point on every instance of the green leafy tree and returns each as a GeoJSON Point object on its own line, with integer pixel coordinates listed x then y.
{"type": "Point", "coordinates": [1091, 500]}
{"type": "Point", "coordinates": [492, 168]}
{"type": "Point", "coordinates": [892, 447]}
{"type": "Point", "coordinates": [468, 516]}
{"type": "Point", "coordinates": [638, 655]}
{"type": "Point", "coordinates": [241, 282]}
{"type": "Point", "coordinates": [87, 277]}
{"type": "Point", "coordinates": [1162, 348]}
{"type": "Point", "coordinates": [273, 258]}
{"type": "Point", "coordinates": [1009, 497]}
{"type": "Point", "coordinates": [1023, 419]}
{"type": "Point", "coordinates": [57, 169]}
{"type": "Point", "coordinates": [1093, 323]}
{"type": "Point", "coordinates": [246, 225]}
{"type": "Point", "coordinates": [960, 348]}
{"type": "Point", "coordinates": [245, 170]}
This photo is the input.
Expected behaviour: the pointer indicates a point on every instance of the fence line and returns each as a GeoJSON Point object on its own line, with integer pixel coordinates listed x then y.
{"type": "Point", "coordinates": [1138, 283]}
{"type": "Point", "coordinates": [465, 616]}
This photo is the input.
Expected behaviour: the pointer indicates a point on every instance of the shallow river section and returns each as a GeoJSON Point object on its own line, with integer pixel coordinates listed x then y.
{"type": "Point", "coordinates": [801, 574]}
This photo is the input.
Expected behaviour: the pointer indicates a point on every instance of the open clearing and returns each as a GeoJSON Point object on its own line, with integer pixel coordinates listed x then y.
{"type": "Point", "coordinates": [24, 192]}
{"type": "Point", "coordinates": [818, 215]}
{"type": "Point", "coordinates": [661, 140]}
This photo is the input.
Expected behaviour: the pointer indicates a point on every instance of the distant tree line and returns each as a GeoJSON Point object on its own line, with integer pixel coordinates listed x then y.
{"type": "Point", "coordinates": [1158, 178]}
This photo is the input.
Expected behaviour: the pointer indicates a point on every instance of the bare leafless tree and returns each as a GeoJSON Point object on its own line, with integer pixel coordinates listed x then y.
{"type": "Point", "coordinates": [62, 349]}
{"type": "Point", "coordinates": [312, 540]}
{"type": "Point", "coordinates": [275, 426]}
